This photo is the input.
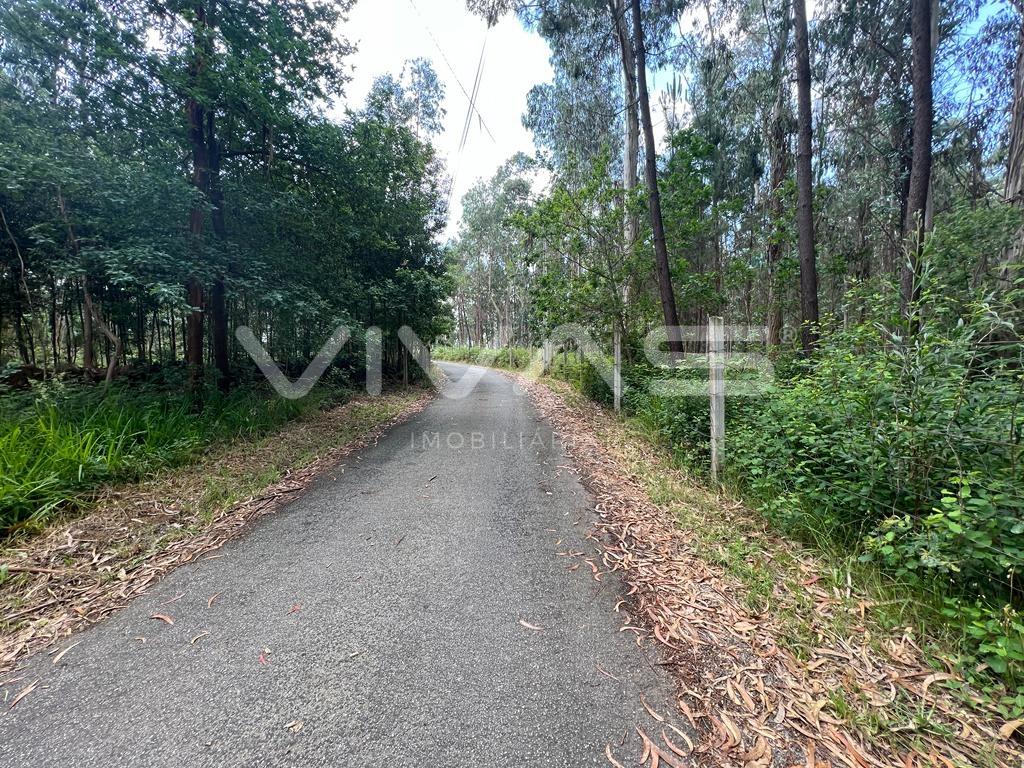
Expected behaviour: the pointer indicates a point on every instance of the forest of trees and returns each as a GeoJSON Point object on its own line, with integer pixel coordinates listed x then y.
{"type": "Point", "coordinates": [850, 186]}
{"type": "Point", "coordinates": [170, 173]}
{"type": "Point", "coordinates": [758, 122]}
{"type": "Point", "coordinates": [847, 178]}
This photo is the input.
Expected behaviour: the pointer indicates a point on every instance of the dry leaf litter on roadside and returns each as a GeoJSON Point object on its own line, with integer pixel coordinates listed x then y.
{"type": "Point", "coordinates": [752, 701]}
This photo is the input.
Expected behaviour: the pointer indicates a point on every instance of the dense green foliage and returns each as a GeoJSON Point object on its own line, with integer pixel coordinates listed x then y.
{"type": "Point", "coordinates": [904, 448]}
{"type": "Point", "coordinates": [59, 440]}
{"type": "Point", "coordinates": [187, 166]}
{"type": "Point", "coordinates": [512, 358]}
{"type": "Point", "coordinates": [171, 172]}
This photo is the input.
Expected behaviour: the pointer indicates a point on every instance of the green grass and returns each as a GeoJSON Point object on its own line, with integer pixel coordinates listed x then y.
{"type": "Point", "coordinates": [61, 440]}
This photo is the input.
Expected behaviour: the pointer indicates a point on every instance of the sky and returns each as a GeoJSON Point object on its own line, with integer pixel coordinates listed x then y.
{"type": "Point", "coordinates": [389, 32]}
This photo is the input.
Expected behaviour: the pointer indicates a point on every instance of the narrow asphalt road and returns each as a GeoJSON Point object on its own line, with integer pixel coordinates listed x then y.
{"type": "Point", "coordinates": [377, 621]}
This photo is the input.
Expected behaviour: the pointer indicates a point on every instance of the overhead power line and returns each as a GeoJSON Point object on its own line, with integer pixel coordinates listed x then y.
{"type": "Point", "coordinates": [469, 115]}
{"type": "Point", "coordinates": [471, 99]}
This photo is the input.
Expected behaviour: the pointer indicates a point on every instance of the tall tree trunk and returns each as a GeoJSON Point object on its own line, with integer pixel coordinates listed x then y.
{"type": "Point", "coordinates": [174, 338]}
{"type": "Point", "coordinates": [218, 294]}
{"type": "Point", "coordinates": [20, 286]}
{"type": "Point", "coordinates": [114, 345]}
{"type": "Point", "coordinates": [19, 335]}
{"type": "Point", "coordinates": [668, 299]}
{"type": "Point", "coordinates": [72, 349]}
{"type": "Point", "coordinates": [90, 313]}
{"type": "Point", "coordinates": [1013, 189]}
{"type": "Point", "coordinates": [88, 345]}
{"type": "Point", "coordinates": [804, 192]}
{"type": "Point", "coordinates": [900, 134]}
{"type": "Point", "coordinates": [921, 168]}
{"type": "Point", "coordinates": [140, 329]}
{"type": "Point", "coordinates": [194, 293]}
{"type": "Point", "coordinates": [54, 319]}
{"type": "Point", "coordinates": [933, 43]}
{"type": "Point", "coordinates": [779, 158]}
{"type": "Point", "coordinates": [154, 337]}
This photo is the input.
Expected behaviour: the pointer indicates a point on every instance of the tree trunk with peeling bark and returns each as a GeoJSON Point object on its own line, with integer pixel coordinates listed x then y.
{"type": "Point", "coordinates": [779, 132]}
{"type": "Point", "coordinates": [1013, 189]}
{"type": "Point", "coordinates": [804, 190]}
{"type": "Point", "coordinates": [631, 153]}
{"type": "Point", "coordinates": [921, 164]}
{"type": "Point", "coordinates": [664, 272]}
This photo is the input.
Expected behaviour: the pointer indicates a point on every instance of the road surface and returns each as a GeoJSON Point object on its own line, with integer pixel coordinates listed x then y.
{"type": "Point", "coordinates": [380, 620]}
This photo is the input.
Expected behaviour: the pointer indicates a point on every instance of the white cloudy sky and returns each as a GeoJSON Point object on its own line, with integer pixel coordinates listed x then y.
{"type": "Point", "coordinates": [389, 32]}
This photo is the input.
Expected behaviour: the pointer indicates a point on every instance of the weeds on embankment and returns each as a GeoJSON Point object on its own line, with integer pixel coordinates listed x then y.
{"type": "Point", "coordinates": [58, 441]}
{"type": "Point", "coordinates": [780, 649]}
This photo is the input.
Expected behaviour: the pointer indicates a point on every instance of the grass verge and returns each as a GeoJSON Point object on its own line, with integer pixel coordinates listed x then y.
{"type": "Point", "coordinates": [61, 440]}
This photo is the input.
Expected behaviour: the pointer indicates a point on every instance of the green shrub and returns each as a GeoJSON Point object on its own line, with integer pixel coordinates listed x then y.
{"type": "Point", "coordinates": [905, 448]}
{"type": "Point", "coordinates": [907, 444]}
{"type": "Point", "coordinates": [995, 644]}
{"type": "Point", "coordinates": [672, 404]}
{"type": "Point", "coordinates": [899, 441]}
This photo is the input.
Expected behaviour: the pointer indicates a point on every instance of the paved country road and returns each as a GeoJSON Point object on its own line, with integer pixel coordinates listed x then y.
{"type": "Point", "coordinates": [374, 622]}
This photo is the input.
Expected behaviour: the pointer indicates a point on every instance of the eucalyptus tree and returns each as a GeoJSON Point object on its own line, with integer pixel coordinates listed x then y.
{"type": "Point", "coordinates": [614, 35]}
{"type": "Point", "coordinates": [582, 272]}
{"type": "Point", "coordinates": [921, 142]}
{"type": "Point", "coordinates": [493, 296]}
{"type": "Point", "coordinates": [805, 194]}
{"type": "Point", "coordinates": [777, 129]}
{"type": "Point", "coordinates": [664, 271]}
{"type": "Point", "coordinates": [574, 117]}
{"type": "Point", "coordinates": [1013, 185]}
{"type": "Point", "coordinates": [414, 98]}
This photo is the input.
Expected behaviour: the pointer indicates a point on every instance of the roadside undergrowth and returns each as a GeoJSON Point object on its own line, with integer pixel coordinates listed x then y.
{"type": "Point", "coordinates": [782, 656]}
{"type": "Point", "coordinates": [79, 570]}
{"type": "Point", "coordinates": [505, 358]}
